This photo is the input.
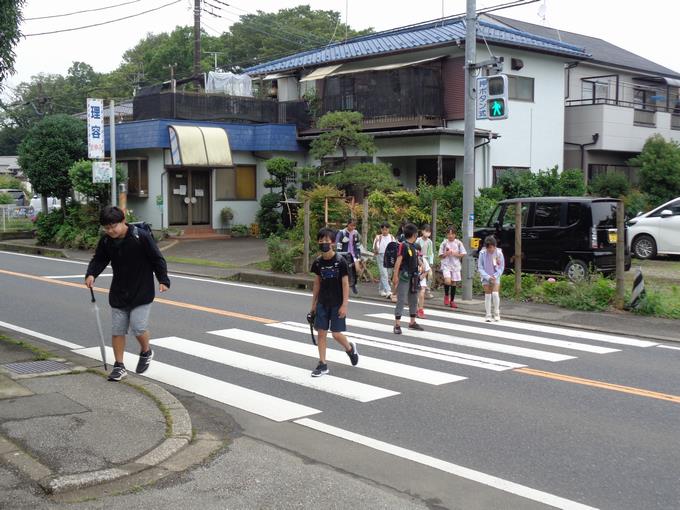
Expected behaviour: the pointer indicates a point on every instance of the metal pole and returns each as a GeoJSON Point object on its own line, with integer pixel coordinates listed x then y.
{"type": "Point", "coordinates": [469, 142]}
{"type": "Point", "coordinates": [112, 150]}
{"type": "Point", "coordinates": [305, 249]}
{"type": "Point", "coordinates": [434, 222]}
{"type": "Point", "coordinates": [197, 37]}
{"type": "Point", "coordinates": [620, 255]}
{"type": "Point", "coordinates": [518, 249]}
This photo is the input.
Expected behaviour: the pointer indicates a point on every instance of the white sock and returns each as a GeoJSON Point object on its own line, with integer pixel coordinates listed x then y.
{"type": "Point", "coordinates": [496, 303]}
{"type": "Point", "coordinates": [487, 304]}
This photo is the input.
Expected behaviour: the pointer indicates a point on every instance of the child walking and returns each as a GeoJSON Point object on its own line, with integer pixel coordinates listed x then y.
{"type": "Point", "coordinates": [379, 245]}
{"type": "Point", "coordinates": [329, 300]}
{"type": "Point", "coordinates": [424, 272]}
{"type": "Point", "coordinates": [491, 265]}
{"type": "Point", "coordinates": [406, 279]}
{"type": "Point", "coordinates": [427, 250]}
{"type": "Point", "coordinates": [451, 251]}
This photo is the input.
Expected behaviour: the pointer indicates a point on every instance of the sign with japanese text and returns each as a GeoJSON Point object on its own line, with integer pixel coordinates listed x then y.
{"type": "Point", "coordinates": [101, 172]}
{"type": "Point", "coordinates": [95, 128]}
{"type": "Point", "coordinates": [482, 97]}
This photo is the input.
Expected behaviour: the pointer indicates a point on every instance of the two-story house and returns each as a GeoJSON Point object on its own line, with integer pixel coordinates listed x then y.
{"type": "Point", "coordinates": [614, 101]}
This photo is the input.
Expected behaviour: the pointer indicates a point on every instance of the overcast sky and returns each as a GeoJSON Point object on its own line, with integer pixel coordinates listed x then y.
{"type": "Point", "coordinates": [649, 29]}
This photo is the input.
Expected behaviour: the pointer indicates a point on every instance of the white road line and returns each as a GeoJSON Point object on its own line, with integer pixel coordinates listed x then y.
{"type": "Point", "coordinates": [448, 467]}
{"type": "Point", "coordinates": [301, 376]}
{"type": "Point", "coordinates": [475, 344]}
{"type": "Point", "coordinates": [74, 276]}
{"type": "Point", "coordinates": [274, 408]}
{"type": "Point", "coordinates": [53, 259]}
{"type": "Point", "coordinates": [668, 347]}
{"type": "Point", "coordinates": [41, 336]}
{"type": "Point", "coordinates": [424, 351]}
{"type": "Point", "coordinates": [501, 335]}
{"type": "Point", "coordinates": [410, 372]}
{"type": "Point", "coordinates": [573, 333]}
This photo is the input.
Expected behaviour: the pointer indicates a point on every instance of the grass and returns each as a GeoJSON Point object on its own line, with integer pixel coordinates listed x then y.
{"type": "Point", "coordinates": [263, 265]}
{"type": "Point", "coordinates": [38, 354]}
{"type": "Point", "coordinates": [200, 262]}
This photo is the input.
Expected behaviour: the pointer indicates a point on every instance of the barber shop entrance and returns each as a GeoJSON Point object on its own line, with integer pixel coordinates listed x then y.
{"type": "Point", "coordinates": [189, 197]}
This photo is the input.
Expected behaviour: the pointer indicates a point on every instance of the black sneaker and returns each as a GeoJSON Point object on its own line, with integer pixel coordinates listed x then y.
{"type": "Point", "coordinates": [353, 354]}
{"type": "Point", "coordinates": [144, 361]}
{"type": "Point", "coordinates": [397, 330]}
{"type": "Point", "coordinates": [416, 326]}
{"type": "Point", "coordinates": [321, 369]}
{"type": "Point", "coordinates": [118, 372]}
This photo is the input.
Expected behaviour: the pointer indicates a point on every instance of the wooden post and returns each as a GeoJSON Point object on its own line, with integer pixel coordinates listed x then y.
{"type": "Point", "coordinates": [440, 171]}
{"type": "Point", "coordinates": [364, 224]}
{"type": "Point", "coordinates": [325, 212]}
{"type": "Point", "coordinates": [434, 222]}
{"type": "Point", "coordinates": [305, 250]}
{"type": "Point", "coordinates": [518, 249]}
{"type": "Point", "coordinates": [620, 255]}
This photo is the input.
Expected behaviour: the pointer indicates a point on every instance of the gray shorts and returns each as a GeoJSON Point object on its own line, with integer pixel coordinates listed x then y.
{"type": "Point", "coordinates": [135, 319]}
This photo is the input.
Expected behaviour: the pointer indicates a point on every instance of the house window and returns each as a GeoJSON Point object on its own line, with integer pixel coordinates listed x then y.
{"type": "Point", "coordinates": [642, 98]}
{"type": "Point", "coordinates": [520, 88]}
{"type": "Point", "coordinates": [236, 183]}
{"type": "Point", "coordinates": [597, 91]}
{"type": "Point", "coordinates": [138, 177]}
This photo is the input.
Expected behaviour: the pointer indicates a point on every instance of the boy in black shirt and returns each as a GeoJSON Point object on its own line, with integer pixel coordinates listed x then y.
{"type": "Point", "coordinates": [406, 279]}
{"type": "Point", "coordinates": [329, 300]}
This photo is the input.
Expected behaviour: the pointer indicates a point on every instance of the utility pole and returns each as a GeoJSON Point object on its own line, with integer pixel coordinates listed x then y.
{"type": "Point", "coordinates": [112, 150]}
{"type": "Point", "coordinates": [197, 37]}
{"type": "Point", "coordinates": [469, 144]}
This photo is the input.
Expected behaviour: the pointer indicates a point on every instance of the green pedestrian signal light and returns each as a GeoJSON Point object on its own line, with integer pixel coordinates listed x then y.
{"type": "Point", "coordinates": [496, 108]}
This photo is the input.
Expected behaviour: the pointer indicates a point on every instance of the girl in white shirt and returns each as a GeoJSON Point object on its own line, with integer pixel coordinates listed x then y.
{"type": "Point", "coordinates": [451, 252]}
{"type": "Point", "coordinates": [379, 244]}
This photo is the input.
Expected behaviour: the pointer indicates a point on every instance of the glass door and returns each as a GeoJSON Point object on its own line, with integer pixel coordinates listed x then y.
{"type": "Point", "coordinates": [200, 197]}
{"type": "Point", "coordinates": [178, 210]}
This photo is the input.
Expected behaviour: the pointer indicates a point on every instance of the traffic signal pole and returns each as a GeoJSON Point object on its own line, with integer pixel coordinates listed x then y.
{"type": "Point", "coordinates": [469, 145]}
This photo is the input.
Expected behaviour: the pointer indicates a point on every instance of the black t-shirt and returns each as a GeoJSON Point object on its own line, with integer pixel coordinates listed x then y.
{"type": "Point", "coordinates": [409, 261]}
{"type": "Point", "coordinates": [331, 272]}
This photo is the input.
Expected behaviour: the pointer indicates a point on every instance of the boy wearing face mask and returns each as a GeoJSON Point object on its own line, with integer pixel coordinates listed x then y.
{"type": "Point", "coordinates": [330, 297]}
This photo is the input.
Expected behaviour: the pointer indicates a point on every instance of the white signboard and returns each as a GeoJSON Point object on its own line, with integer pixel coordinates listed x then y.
{"type": "Point", "coordinates": [95, 128]}
{"type": "Point", "coordinates": [101, 172]}
{"type": "Point", "coordinates": [482, 97]}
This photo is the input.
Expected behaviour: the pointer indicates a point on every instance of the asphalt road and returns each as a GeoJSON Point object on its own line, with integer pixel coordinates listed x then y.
{"type": "Point", "coordinates": [536, 422]}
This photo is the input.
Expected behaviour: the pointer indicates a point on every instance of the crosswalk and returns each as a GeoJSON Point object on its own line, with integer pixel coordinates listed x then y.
{"type": "Point", "coordinates": [415, 357]}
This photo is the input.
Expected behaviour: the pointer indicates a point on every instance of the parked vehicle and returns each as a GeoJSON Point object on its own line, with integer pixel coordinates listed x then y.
{"type": "Point", "coordinates": [52, 203]}
{"type": "Point", "coordinates": [656, 232]}
{"type": "Point", "coordinates": [17, 194]}
{"type": "Point", "coordinates": [569, 235]}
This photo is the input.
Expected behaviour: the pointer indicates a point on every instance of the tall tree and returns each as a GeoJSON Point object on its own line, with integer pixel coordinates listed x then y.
{"type": "Point", "coordinates": [10, 18]}
{"type": "Point", "coordinates": [49, 150]}
{"type": "Point", "coordinates": [343, 133]}
{"type": "Point", "coordinates": [659, 164]}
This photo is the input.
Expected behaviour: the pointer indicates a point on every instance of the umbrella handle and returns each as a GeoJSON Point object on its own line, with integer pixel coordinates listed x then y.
{"type": "Point", "coordinates": [92, 294]}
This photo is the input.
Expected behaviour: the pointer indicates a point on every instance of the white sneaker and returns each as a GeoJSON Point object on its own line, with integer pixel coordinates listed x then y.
{"type": "Point", "coordinates": [488, 318]}
{"type": "Point", "coordinates": [497, 318]}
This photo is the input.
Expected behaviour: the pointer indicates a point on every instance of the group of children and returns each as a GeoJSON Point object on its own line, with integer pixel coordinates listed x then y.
{"type": "Point", "coordinates": [411, 280]}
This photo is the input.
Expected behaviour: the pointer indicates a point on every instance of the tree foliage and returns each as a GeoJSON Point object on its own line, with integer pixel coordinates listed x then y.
{"type": "Point", "coordinates": [343, 134]}
{"type": "Point", "coordinates": [10, 18]}
{"type": "Point", "coordinates": [49, 150]}
{"type": "Point", "coordinates": [545, 183]}
{"type": "Point", "coordinates": [364, 178]}
{"type": "Point", "coordinates": [80, 174]}
{"type": "Point", "coordinates": [659, 164]}
{"type": "Point", "coordinates": [610, 185]}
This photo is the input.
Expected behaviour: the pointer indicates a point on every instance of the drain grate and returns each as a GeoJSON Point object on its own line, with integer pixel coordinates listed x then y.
{"type": "Point", "coordinates": [36, 367]}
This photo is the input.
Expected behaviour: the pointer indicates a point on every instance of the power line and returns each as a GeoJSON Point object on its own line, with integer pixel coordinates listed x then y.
{"type": "Point", "coordinates": [80, 12]}
{"type": "Point", "coordinates": [105, 22]}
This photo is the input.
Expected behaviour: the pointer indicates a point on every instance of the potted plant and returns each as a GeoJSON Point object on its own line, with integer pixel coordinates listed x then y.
{"type": "Point", "coordinates": [226, 215]}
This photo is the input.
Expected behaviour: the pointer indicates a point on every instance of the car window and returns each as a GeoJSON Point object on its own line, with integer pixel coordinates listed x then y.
{"type": "Point", "coordinates": [573, 213]}
{"type": "Point", "coordinates": [675, 207]}
{"type": "Point", "coordinates": [494, 216]}
{"type": "Point", "coordinates": [604, 214]}
{"type": "Point", "coordinates": [509, 215]}
{"type": "Point", "coordinates": [547, 215]}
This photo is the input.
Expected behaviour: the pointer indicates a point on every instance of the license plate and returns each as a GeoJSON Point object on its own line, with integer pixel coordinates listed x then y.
{"type": "Point", "coordinates": [474, 243]}
{"type": "Point", "coordinates": [613, 237]}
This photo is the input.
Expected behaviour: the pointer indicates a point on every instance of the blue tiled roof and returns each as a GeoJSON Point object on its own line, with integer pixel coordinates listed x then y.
{"type": "Point", "coordinates": [417, 37]}
{"type": "Point", "coordinates": [148, 134]}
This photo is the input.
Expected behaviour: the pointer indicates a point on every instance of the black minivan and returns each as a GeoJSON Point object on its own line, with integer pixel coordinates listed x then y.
{"type": "Point", "coordinates": [570, 235]}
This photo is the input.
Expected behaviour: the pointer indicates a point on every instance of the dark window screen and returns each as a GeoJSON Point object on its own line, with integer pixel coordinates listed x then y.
{"type": "Point", "coordinates": [547, 215]}
{"type": "Point", "coordinates": [604, 214]}
{"type": "Point", "coordinates": [573, 213]}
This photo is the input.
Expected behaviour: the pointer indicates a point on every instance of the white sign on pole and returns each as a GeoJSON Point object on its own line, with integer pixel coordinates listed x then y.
{"type": "Point", "coordinates": [95, 128]}
{"type": "Point", "coordinates": [482, 97]}
{"type": "Point", "coordinates": [101, 172]}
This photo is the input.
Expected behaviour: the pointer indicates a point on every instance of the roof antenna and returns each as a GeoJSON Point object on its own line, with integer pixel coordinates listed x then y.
{"type": "Point", "coordinates": [346, 16]}
{"type": "Point", "coordinates": [542, 11]}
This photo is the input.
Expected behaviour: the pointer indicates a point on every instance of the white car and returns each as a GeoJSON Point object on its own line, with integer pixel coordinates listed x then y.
{"type": "Point", "coordinates": [656, 232]}
{"type": "Point", "coordinates": [52, 204]}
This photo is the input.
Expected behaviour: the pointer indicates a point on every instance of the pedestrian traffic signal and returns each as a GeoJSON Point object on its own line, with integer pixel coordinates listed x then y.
{"type": "Point", "coordinates": [497, 101]}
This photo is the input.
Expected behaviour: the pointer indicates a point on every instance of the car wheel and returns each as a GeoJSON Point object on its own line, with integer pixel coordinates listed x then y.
{"type": "Point", "coordinates": [576, 270]}
{"type": "Point", "coordinates": [644, 247]}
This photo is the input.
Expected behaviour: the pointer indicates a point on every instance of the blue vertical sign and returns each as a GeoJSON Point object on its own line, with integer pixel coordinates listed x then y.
{"type": "Point", "coordinates": [482, 97]}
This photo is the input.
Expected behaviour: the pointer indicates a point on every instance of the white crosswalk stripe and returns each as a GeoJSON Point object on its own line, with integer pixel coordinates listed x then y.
{"type": "Point", "coordinates": [542, 328]}
{"type": "Point", "coordinates": [255, 402]}
{"type": "Point", "coordinates": [467, 342]}
{"type": "Point", "coordinates": [402, 370]}
{"type": "Point", "coordinates": [520, 337]}
{"type": "Point", "coordinates": [424, 351]}
{"type": "Point", "coordinates": [329, 384]}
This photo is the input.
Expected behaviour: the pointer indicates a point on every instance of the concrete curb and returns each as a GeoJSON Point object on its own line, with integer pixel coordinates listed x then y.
{"type": "Point", "coordinates": [178, 436]}
{"type": "Point", "coordinates": [33, 250]}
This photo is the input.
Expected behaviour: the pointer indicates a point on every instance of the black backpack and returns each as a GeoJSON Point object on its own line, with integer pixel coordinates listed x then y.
{"type": "Point", "coordinates": [141, 225]}
{"type": "Point", "coordinates": [391, 252]}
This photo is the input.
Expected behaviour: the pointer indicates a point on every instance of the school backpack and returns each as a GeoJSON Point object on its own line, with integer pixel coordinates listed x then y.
{"type": "Point", "coordinates": [391, 252]}
{"type": "Point", "coordinates": [141, 225]}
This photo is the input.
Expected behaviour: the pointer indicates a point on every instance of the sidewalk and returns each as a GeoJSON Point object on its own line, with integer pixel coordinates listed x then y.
{"type": "Point", "coordinates": [234, 259]}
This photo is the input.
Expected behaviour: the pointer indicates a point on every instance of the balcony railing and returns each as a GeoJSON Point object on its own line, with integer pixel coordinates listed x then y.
{"type": "Point", "coordinates": [675, 121]}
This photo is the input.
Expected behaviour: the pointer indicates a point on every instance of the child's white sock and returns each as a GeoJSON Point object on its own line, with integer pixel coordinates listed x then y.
{"type": "Point", "coordinates": [496, 304]}
{"type": "Point", "coordinates": [487, 305]}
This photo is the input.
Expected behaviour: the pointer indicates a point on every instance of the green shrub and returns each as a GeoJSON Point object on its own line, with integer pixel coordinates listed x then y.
{"type": "Point", "coordinates": [47, 226]}
{"type": "Point", "coordinates": [269, 215]}
{"type": "Point", "coordinates": [572, 183]}
{"type": "Point", "coordinates": [240, 230]}
{"type": "Point", "coordinates": [281, 255]}
{"type": "Point", "coordinates": [78, 228]}
{"type": "Point", "coordinates": [636, 202]}
{"type": "Point", "coordinates": [6, 199]}
{"type": "Point", "coordinates": [610, 185]}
